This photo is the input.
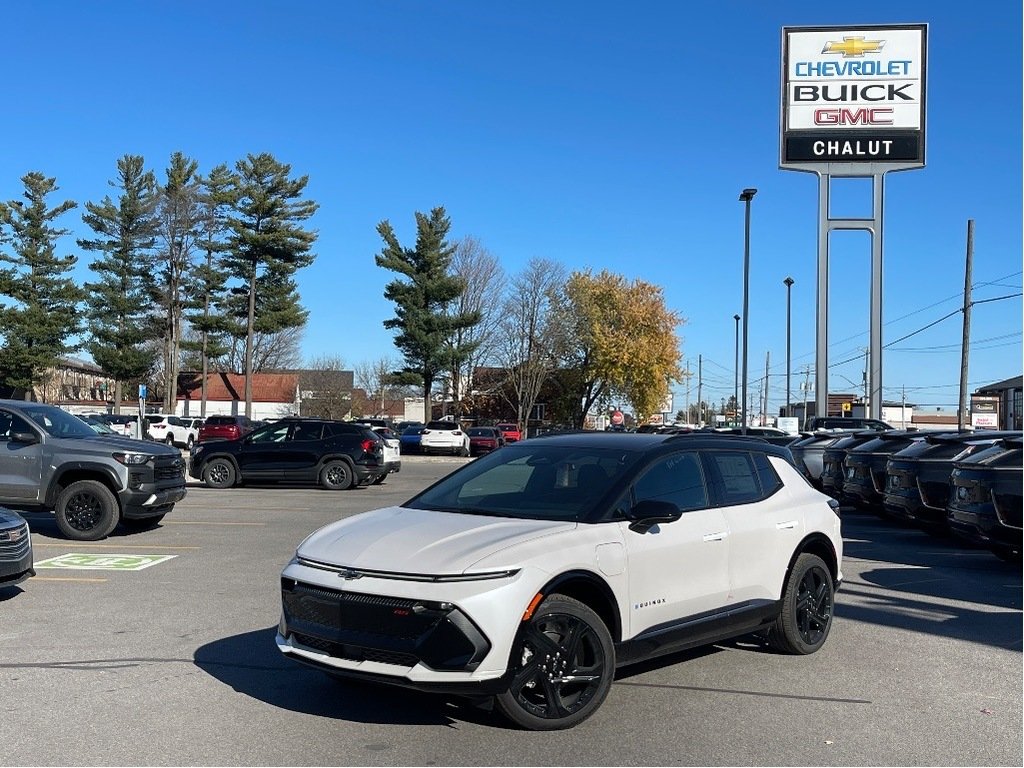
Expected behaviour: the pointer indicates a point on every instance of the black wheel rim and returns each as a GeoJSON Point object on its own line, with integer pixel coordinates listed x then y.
{"type": "Point", "coordinates": [561, 665]}
{"type": "Point", "coordinates": [219, 473]}
{"type": "Point", "coordinates": [813, 606]}
{"type": "Point", "coordinates": [336, 475]}
{"type": "Point", "coordinates": [84, 511]}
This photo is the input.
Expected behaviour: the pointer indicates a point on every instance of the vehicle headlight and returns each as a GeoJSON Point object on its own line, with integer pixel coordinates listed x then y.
{"type": "Point", "coordinates": [131, 459]}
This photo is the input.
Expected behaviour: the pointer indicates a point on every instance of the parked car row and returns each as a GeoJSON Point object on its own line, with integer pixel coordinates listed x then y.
{"type": "Point", "coordinates": [964, 483]}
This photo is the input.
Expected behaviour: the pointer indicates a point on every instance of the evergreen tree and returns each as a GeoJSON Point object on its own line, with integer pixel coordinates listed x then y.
{"type": "Point", "coordinates": [207, 311]}
{"type": "Point", "coordinates": [267, 246]}
{"type": "Point", "coordinates": [423, 315]}
{"type": "Point", "coordinates": [43, 310]}
{"type": "Point", "coordinates": [179, 218]}
{"type": "Point", "coordinates": [118, 316]}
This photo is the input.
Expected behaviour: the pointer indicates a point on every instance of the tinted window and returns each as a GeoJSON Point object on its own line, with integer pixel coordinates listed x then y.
{"type": "Point", "coordinates": [220, 421]}
{"type": "Point", "coordinates": [275, 433]}
{"type": "Point", "coordinates": [677, 479]}
{"type": "Point", "coordinates": [443, 425]}
{"type": "Point", "coordinates": [336, 429]}
{"type": "Point", "coordinates": [308, 430]}
{"type": "Point", "coordinates": [734, 476]}
{"type": "Point", "coordinates": [481, 432]}
{"type": "Point", "coordinates": [1008, 459]}
{"type": "Point", "coordinates": [766, 475]}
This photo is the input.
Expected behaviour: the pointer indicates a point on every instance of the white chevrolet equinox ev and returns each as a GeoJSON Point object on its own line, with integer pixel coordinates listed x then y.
{"type": "Point", "coordinates": [527, 576]}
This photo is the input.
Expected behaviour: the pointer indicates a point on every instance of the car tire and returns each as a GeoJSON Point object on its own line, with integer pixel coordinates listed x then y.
{"type": "Point", "coordinates": [191, 443]}
{"type": "Point", "coordinates": [806, 615]}
{"type": "Point", "coordinates": [464, 453]}
{"type": "Point", "coordinates": [169, 440]}
{"type": "Point", "coordinates": [538, 698]}
{"type": "Point", "coordinates": [219, 473]}
{"type": "Point", "coordinates": [86, 511]}
{"type": "Point", "coordinates": [379, 480]}
{"type": "Point", "coordinates": [337, 476]}
{"type": "Point", "coordinates": [142, 524]}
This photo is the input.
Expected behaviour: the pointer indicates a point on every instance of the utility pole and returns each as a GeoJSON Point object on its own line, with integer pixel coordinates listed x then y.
{"type": "Point", "coordinates": [866, 358]}
{"type": "Point", "coordinates": [700, 387]}
{"type": "Point", "coordinates": [965, 347]}
{"type": "Point", "coordinates": [687, 374]}
{"type": "Point", "coordinates": [764, 411]}
{"type": "Point", "coordinates": [903, 407]}
{"type": "Point", "coordinates": [807, 387]}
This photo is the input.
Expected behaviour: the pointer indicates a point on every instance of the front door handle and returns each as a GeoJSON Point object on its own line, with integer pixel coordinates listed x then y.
{"type": "Point", "coordinates": [715, 536]}
{"type": "Point", "coordinates": [785, 525]}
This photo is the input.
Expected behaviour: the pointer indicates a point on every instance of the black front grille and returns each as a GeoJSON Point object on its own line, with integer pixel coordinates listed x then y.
{"type": "Point", "coordinates": [392, 630]}
{"type": "Point", "coordinates": [170, 471]}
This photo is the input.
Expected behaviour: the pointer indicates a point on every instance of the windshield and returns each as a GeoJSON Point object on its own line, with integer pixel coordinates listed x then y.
{"type": "Point", "coordinates": [533, 482]}
{"type": "Point", "coordinates": [58, 423]}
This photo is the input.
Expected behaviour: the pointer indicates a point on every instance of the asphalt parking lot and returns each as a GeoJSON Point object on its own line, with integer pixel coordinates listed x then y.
{"type": "Point", "coordinates": [175, 664]}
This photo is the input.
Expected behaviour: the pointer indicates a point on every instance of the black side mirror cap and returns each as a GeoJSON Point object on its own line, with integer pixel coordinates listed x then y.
{"type": "Point", "coordinates": [648, 513]}
{"type": "Point", "coordinates": [28, 438]}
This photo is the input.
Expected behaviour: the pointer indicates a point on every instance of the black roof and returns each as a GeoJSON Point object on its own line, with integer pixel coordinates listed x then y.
{"type": "Point", "coordinates": [647, 441]}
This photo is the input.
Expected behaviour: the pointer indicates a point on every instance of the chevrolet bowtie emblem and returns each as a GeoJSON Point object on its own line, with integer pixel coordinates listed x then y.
{"type": "Point", "coordinates": [349, 573]}
{"type": "Point", "coordinates": [853, 46]}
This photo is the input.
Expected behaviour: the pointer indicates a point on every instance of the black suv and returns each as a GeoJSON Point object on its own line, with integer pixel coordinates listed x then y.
{"type": "Point", "coordinates": [335, 454]}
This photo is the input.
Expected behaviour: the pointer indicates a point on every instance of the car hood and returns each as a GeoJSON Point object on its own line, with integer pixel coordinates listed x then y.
{"type": "Point", "coordinates": [107, 443]}
{"type": "Point", "coordinates": [398, 539]}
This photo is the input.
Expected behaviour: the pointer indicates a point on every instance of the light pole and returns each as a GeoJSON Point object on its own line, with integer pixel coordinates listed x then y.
{"type": "Point", "coordinates": [746, 196]}
{"type": "Point", "coordinates": [789, 285]}
{"type": "Point", "coordinates": [736, 372]}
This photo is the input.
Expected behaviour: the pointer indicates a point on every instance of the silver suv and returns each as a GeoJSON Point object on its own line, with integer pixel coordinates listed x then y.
{"type": "Point", "coordinates": [51, 460]}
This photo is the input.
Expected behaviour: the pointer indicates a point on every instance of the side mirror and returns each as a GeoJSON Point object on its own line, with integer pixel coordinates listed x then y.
{"type": "Point", "coordinates": [28, 438]}
{"type": "Point", "coordinates": [646, 514]}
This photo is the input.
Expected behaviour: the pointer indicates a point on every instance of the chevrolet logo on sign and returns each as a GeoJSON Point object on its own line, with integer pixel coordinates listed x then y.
{"type": "Point", "coordinates": [853, 46]}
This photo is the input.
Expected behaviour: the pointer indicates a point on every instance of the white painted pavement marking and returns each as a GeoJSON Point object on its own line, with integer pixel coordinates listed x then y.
{"type": "Point", "coordinates": [103, 562]}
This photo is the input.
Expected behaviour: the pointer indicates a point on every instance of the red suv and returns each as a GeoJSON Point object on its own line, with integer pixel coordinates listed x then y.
{"type": "Point", "coordinates": [510, 432]}
{"type": "Point", "coordinates": [224, 428]}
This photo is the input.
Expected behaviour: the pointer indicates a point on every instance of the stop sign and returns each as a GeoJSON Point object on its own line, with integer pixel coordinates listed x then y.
{"type": "Point", "coordinates": [617, 418]}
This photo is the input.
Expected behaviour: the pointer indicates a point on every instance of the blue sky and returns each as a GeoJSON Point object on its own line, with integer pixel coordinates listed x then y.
{"type": "Point", "coordinates": [603, 135]}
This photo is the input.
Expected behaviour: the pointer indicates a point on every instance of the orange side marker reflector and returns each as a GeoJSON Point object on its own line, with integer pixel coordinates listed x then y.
{"type": "Point", "coordinates": [532, 606]}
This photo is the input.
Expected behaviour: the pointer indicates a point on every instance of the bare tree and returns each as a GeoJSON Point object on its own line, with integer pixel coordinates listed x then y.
{"type": "Point", "coordinates": [276, 351]}
{"type": "Point", "coordinates": [382, 386]}
{"type": "Point", "coordinates": [528, 334]}
{"type": "Point", "coordinates": [325, 388]}
{"type": "Point", "coordinates": [468, 347]}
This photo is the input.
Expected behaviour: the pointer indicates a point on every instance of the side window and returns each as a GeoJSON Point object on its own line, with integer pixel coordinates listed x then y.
{"type": "Point", "coordinates": [276, 433]}
{"type": "Point", "coordinates": [11, 424]}
{"type": "Point", "coordinates": [734, 476]}
{"type": "Point", "coordinates": [766, 474]}
{"type": "Point", "coordinates": [305, 430]}
{"type": "Point", "coordinates": [677, 479]}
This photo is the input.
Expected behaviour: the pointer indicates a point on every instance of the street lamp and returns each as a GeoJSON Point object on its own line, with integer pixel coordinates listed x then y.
{"type": "Point", "coordinates": [746, 196]}
{"type": "Point", "coordinates": [788, 282]}
{"type": "Point", "coordinates": [736, 372]}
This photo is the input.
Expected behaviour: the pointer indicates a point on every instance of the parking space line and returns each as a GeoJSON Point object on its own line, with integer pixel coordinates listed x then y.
{"type": "Point", "coordinates": [84, 545]}
{"type": "Point", "coordinates": [66, 578]}
{"type": "Point", "coordinates": [208, 522]}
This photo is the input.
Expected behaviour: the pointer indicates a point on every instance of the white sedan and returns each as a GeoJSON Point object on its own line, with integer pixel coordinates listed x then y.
{"type": "Point", "coordinates": [444, 437]}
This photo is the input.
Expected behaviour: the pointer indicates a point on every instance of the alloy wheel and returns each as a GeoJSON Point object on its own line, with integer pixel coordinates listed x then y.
{"type": "Point", "coordinates": [562, 664]}
{"type": "Point", "coordinates": [813, 606]}
{"type": "Point", "coordinates": [84, 511]}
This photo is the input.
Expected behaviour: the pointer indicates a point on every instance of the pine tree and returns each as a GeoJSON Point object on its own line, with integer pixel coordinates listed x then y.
{"type": "Point", "coordinates": [179, 217]}
{"type": "Point", "coordinates": [267, 246]}
{"type": "Point", "coordinates": [207, 310]}
{"type": "Point", "coordinates": [43, 311]}
{"type": "Point", "coordinates": [424, 326]}
{"type": "Point", "coordinates": [118, 312]}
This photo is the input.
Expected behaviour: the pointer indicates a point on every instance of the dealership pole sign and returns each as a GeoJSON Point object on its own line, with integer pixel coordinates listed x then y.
{"type": "Point", "coordinates": [853, 104]}
{"type": "Point", "coordinates": [853, 95]}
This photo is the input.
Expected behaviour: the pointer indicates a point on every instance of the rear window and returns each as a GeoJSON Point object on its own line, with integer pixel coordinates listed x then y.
{"type": "Point", "coordinates": [337, 429]}
{"type": "Point", "coordinates": [220, 421]}
{"type": "Point", "coordinates": [481, 432]}
{"type": "Point", "coordinates": [441, 425]}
